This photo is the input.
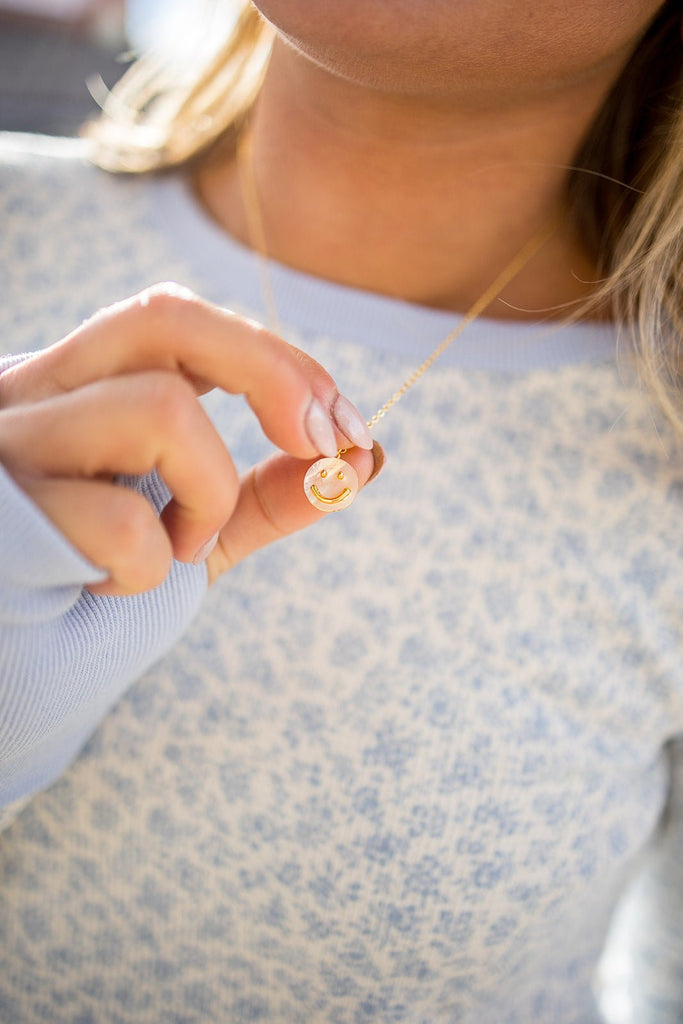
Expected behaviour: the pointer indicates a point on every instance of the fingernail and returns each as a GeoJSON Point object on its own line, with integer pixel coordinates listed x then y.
{"type": "Point", "coordinates": [320, 429]}
{"type": "Point", "coordinates": [205, 550]}
{"type": "Point", "coordinates": [379, 460]}
{"type": "Point", "coordinates": [351, 423]}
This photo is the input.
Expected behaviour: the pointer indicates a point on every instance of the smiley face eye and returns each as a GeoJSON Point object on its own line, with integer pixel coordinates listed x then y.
{"type": "Point", "coordinates": [340, 476]}
{"type": "Point", "coordinates": [323, 473]}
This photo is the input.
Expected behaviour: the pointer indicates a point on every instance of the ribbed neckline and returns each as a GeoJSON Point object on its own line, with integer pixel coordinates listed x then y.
{"type": "Point", "coordinates": [317, 307]}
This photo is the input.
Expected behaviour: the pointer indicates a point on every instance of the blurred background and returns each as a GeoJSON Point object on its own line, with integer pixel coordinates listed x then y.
{"type": "Point", "coordinates": [51, 50]}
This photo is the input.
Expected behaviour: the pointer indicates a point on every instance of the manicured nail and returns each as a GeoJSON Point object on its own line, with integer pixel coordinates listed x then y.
{"type": "Point", "coordinates": [320, 429]}
{"type": "Point", "coordinates": [205, 550]}
{"type": "Point", "coordinates": [351, 423]}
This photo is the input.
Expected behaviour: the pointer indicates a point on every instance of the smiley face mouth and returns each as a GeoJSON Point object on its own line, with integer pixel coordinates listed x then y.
{"type": "Point", "coordinates": [330, 501]}
{"type": "Point", "coordinates": [324, 477]}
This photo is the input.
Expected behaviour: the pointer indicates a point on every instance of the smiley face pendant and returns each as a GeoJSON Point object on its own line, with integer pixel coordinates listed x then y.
{"type": "Point", "coordinates": [331, 484]}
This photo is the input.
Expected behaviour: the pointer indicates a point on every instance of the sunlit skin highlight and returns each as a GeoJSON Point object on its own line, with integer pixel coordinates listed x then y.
{"type": "Point", "coordinates": [439, 167]}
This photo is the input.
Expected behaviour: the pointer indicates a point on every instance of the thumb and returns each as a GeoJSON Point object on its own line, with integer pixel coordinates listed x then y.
{"type": "Point", "coordinates": [272, 504]}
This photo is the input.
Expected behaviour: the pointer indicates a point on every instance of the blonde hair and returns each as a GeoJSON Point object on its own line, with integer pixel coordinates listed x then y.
{"type": "Point", "coordinates": [161, 116]}
{"type": "Point", "coordinates": [626, 197]}
{"type": "Point", "coordinates": [624, 193]}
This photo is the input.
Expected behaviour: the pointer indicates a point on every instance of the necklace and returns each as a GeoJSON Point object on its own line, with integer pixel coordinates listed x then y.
{"type": "Point", "coordinates": [331, 484]}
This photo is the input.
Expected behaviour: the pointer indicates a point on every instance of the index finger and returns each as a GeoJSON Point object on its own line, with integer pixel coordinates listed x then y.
{"type": "Point", "coordinates": [169, 328]}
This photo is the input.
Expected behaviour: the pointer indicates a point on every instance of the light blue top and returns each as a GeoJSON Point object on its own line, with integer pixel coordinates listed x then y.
{"type": "Point", "coordinates": [397, 768]}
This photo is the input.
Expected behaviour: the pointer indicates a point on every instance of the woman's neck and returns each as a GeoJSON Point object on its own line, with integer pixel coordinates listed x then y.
{"type": "Point", "coordinates": [420, 200]}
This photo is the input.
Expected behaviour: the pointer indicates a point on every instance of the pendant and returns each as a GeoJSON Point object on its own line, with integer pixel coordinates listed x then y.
{"type": "Point", "coordinates": [331, 484]}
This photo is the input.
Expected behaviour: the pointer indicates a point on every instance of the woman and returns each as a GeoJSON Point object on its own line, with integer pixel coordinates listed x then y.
{"type": "Point", "coordinates": [400, 766]}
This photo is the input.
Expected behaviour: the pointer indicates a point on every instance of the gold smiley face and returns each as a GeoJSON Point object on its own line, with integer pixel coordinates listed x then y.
{"type": "Point", "coordinates": [343, 494]}
{"type": "Point", "coordinates": [331, 484]}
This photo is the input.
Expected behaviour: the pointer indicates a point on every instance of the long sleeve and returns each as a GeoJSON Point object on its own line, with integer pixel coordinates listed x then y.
{"type": "Point", "coordinates": [65, 655]}
{"type": "Point", "coordinates": [402, 764]}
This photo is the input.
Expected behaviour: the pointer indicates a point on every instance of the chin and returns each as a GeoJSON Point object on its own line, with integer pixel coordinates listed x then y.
{"type": "Point", "coordinates": [397, 45]}
{"type": "Point", "coordinates": [363, 27]}
{"type": "Point", "coordinates": [444, 46]}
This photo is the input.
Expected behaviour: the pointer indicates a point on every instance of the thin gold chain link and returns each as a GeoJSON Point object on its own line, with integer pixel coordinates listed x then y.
{"type": "Point", "coordinates": [255, 225]}
{"type": "Point", "coordinates": [494, 289]}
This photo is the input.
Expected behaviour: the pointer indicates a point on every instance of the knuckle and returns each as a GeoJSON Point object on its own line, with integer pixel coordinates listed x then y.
{"type": "Point", "coordinates": [169, 400]}
{"type": "Point", "coordinates": [131, 521]}
{"type": "Point", "coordinates": [143, 557]}
{"type": "Point", "coordinates": [166, 302]}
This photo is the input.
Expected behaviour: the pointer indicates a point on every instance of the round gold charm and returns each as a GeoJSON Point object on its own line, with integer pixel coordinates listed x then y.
{"type": "Point", "coordinates": [331, 484]}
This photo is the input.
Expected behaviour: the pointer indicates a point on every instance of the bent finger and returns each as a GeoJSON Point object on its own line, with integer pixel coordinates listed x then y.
{"type": "Point", "coordinates": [169, 328]}
{"type": "Point", "coordinates": [132, 425]}
{"type": "Point", "coordinates": [114, 528]}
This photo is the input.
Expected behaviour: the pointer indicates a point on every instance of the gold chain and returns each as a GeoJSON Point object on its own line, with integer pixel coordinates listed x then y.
{"type": "Point", "coordinates": [252, 206]}
{"type": "Point", "coordinates": [255, 226]}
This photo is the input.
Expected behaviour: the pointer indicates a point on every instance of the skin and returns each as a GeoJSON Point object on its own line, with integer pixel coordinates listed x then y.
{"type": "Point", "coordinates": [119, 395]}
{"type": "Point", "coordinates": [438, 134]}
{"type": "Point", "coordinates": [470, 50]}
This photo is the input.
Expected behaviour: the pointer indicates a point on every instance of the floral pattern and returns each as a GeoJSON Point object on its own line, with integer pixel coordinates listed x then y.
{"type": "Point", "coordinates": [400, 766]}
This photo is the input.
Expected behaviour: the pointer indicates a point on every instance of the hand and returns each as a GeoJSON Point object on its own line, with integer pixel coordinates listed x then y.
{"type": "Point", "coordinates": [119, 396]}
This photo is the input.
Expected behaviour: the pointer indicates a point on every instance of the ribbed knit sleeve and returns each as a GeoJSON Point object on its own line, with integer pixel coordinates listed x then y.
{"type": "Point", "coordinates": [66, 656]}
